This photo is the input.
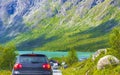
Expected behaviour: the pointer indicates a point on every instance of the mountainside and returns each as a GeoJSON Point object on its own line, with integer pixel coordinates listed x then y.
{"type": "Point", "coordinates": [58, 24]}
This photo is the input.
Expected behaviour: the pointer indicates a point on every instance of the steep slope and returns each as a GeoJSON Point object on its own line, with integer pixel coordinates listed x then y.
{"type": "Point", "coordinates": [59, 24]}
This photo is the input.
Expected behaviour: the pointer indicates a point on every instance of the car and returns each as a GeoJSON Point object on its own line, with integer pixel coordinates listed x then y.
{"type": "Point", "coordinates": [54, 64]}
{"type": "Point", "coordinates": [32, 64]}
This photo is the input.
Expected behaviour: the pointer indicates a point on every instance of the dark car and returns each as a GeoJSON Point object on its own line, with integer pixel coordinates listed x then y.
{"type": "Point", "coordinates": [32, 64]}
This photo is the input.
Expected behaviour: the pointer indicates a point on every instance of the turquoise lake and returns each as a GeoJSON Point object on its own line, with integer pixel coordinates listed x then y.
{"type": "Point", "coordinates": [58, 53]}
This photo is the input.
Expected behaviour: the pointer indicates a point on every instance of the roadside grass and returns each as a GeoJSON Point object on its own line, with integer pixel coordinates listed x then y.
{"type": "Point", "coordinates": [89, 68]}
{"type": "Point", "coordinates": [4, 72]}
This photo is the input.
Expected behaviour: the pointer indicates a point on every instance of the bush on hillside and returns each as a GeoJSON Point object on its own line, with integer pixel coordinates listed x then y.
{"type": "Point", "coordinates": [72, 57]}
{"type": "Point", "coordinates": [115, 42]}
{"type": "Point", "coordinates": [115, 39]}
{"type": "Point", "coordinates": [7, 57]}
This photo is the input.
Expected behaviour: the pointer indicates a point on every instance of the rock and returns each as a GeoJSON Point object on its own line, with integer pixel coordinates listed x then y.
{"type": "Point", "coordinates": [97, 53]}
{"type": "Point", "coordinates": [107, 61]}
{"type": "Point", "coordinates": [62, 1]}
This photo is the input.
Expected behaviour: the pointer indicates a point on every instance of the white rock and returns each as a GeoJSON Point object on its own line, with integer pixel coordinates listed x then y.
{"type": "Point", "coordinates": [97, 53]}
{"type": "Point", "coordinates": [106, 61]}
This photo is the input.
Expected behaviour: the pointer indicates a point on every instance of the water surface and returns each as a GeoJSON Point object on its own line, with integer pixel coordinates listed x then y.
{"type": "Point", "coordinates": [58, 53]}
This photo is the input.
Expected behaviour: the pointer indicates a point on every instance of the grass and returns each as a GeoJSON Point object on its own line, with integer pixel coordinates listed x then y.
{"type": "Point", "coordinates": [89, 67]}
{"type": "Point", "coordinates": [5, 72]}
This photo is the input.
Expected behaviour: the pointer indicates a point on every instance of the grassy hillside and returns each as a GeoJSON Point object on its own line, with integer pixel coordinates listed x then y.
{"type": "Point", "coordinates": [87, 33]}
{"type": "Point", "coordinates": [89, 66]}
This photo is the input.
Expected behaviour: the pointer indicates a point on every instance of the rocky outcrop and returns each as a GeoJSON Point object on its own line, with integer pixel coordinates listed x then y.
{"type": "Point", "coordinates": [98, 52]}
{"type": "Point", "coordinates": [12, 17]}
{"type": "Point", "coordinates": [107, 60]}
{"type": "Point", "coordinates": [12, 8]}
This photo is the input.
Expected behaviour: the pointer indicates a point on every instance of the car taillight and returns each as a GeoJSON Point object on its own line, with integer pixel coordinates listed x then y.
{"type": "Point", "coordinates": [17, 66]}
{"type": "Point", "coordinates": [46, 66]}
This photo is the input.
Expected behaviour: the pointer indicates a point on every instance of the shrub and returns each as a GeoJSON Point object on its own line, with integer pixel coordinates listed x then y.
{"type": "Point", "coordinates": [7, 57]}
{"type": "Point", "coordinates": [115, 42]}
{"type": "Point", "coordinates": [115, 39]}
{"type": "Point", "coordinates": [72, 57]}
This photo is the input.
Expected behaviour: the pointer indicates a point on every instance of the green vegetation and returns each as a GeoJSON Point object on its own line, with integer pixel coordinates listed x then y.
{"type": "Point", "coordinates": [115, 39]}
{"type": "Point", "coordinates": [5, 72]}
{"type": "Point", "coordinates": [7, 57]}
{"type": "Point", "coordinates": [88, 67]}
{"type": "Point", "coordinates": [72, 57]}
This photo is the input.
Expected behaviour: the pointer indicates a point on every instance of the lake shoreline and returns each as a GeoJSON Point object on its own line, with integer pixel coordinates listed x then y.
{"type": "Point", "coordinates": [51, 54]}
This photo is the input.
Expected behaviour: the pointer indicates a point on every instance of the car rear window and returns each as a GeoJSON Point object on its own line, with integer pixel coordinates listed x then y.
{"type": "Point", "coordinates": [33, 59]}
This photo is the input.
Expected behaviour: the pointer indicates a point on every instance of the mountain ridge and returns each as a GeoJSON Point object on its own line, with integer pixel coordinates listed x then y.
{"type": "Point", "coordinates": [58, 25]}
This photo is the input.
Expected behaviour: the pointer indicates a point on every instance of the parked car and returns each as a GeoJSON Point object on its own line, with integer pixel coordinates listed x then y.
{"type": "Point", "coordinates": [32, 64]}
{"type": "Point", "coordinates": [64, 65]}
{"type": "Point", "coordinates": [54, 64]}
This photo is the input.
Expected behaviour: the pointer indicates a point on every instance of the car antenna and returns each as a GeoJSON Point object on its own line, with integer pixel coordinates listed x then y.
{"type": "Point", "coordinates": [32, 52]}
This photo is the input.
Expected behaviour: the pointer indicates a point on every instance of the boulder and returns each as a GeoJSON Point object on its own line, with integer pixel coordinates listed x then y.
{"type": "Point", "coordinates": [98, 52]}
{"type": "Point", "coordinates": [107, 61]}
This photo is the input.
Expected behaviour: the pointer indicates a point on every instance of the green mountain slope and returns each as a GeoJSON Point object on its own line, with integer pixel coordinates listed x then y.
{"type": "Point", "coordinates": [88, 32]}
